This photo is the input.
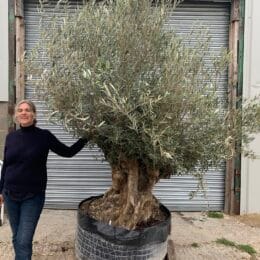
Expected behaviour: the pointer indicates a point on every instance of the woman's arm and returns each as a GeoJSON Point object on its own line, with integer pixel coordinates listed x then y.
{"type": "Point", "coordinates": [63, 150]}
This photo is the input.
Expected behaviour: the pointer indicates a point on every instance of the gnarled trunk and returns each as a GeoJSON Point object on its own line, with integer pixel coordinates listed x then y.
{"type": "Point", "coordinates": [129, 202]}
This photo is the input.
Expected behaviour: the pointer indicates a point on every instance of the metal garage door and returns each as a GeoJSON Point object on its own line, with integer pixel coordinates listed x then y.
{"type": "Point", "coordinates": [71, 180]}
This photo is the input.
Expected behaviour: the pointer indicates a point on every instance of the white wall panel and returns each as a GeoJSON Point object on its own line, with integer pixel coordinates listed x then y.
{"type": "Point", "coordinates": [250, 172]}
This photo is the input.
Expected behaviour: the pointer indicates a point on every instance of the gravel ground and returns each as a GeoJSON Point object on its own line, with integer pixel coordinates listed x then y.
{"type": "Point", "coordinates": [193, 236]}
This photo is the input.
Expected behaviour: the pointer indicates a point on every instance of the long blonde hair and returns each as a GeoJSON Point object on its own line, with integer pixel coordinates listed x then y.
{"type": "Point", "coordinates": [30, 104]}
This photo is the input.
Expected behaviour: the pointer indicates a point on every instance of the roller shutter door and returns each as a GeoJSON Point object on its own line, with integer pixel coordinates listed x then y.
{"type": "Point", "coordinates": [71, 180]}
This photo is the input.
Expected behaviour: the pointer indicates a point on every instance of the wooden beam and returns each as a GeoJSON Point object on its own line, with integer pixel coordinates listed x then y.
{"type": "Point", "coordinates": [20, 42]}
{"type": "Point", "coordinates": [11, 88]}
{"type": "Point", "coordinates": [232, 202]}
{"type": "Point", "coordinates": [171, 254]}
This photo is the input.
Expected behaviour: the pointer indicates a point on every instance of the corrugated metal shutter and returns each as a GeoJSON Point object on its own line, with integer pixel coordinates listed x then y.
{"type": "Point", "coordinates": [72, 180]}
{"type": "Point", "coordinates": [175, 192]}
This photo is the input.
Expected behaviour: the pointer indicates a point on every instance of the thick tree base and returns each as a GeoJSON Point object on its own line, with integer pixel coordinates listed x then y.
{"type": "Point", "coordinates": [111, 209]}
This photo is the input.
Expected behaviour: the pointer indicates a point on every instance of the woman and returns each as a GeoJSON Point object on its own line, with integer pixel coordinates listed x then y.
{"type": "Point", "coordinates": [24, 175]}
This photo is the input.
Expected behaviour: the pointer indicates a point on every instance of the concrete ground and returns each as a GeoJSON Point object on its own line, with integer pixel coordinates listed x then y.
{"type": "Point", "coordinates": [193, 236]}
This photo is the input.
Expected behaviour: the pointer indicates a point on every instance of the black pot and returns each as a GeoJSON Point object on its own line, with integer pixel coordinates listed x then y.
{"type": "Point", "coordinates": [96, 240]}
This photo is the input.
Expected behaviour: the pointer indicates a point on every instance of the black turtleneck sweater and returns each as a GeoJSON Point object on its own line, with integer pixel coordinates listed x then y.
{"type": "Point", "coordinates": [25, 157]}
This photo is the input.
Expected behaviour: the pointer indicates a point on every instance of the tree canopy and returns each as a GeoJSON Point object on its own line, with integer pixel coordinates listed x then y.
{"type": "Point", "coordinates": [111, 72]}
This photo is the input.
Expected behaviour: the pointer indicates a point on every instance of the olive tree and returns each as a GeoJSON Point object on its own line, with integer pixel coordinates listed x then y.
{"type": "Point", "coordinates": [111, 72]}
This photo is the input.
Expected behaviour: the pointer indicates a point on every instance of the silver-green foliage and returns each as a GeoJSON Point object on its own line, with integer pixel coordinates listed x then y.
{"type": "Point", "coordinates": [114, 74]}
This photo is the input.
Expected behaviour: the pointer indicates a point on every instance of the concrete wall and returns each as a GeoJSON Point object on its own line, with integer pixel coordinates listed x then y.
{"type": "Point", "coordinates": [250, 172]}
{"type": "Point", "coordinates": [4, 50]}
{"type": "Point", "coordinates": [3, 126]}
{"type": "Point", "coordinates": [4, 73]}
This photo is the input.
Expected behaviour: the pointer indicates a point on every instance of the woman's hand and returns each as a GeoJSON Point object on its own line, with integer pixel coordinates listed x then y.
{"type": "Point", "coordinates": [1, 199]}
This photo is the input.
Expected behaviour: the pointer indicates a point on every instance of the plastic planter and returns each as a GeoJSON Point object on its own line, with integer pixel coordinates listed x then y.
{"type": "Point", "coordinates": [96, 240]}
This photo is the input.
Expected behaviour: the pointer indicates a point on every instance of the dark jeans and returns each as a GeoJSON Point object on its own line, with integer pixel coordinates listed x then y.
{"type": "Point", "coordinates": [23, 217]}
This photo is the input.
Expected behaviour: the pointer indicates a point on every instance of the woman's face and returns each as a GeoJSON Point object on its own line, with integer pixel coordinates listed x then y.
{"type": "Point", "coordinates": [24, 115]}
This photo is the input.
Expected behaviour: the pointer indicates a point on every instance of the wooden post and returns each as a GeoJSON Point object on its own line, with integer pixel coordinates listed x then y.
{"type": "Point", "coordinates": [11, 88]}
{"type": "Point", "coordinates": [20, 41]}
{"type": "Point", "coordinates": [232, 203]}
{"type": "Point", "coordinates": [171, 254]}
